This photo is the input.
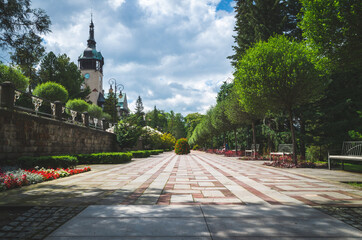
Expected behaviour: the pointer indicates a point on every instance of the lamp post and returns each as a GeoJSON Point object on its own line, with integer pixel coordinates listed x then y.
{"type": "Point", "coordinates": [117, 87]}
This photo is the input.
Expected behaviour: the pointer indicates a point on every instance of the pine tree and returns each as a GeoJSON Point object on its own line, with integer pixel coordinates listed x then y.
{"type": "Point", "coordinates": [139, 112]}
{"type": "Point", "coordinates": [110, 106]}
{"type": "Point", "coordinates": [257, 20]}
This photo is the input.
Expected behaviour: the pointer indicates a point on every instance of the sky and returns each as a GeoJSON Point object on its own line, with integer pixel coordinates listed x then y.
{"type": "Point", "coordinates": [172, 53]}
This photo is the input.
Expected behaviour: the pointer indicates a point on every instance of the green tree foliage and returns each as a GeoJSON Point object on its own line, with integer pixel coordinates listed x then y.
{"type": "Point", "coordinates": [13, 75]}
{"type": "Point", "coordinates": [257, 20]}
{"type": "Point", "coordinates": [192, 120]}
{"type": "Point", "coordinates": [334, 28]}
{"type": "Point", "coordinates": [51, 91]}
{"type": "Point", "coordinates": [27, 55]}
{"type": "Point", "coordinates": [139, 114]}
{"type": "Point", "coordinates": [78, 105]}
{"type": "Point", "coordinates": [18, 21]}
{"type": "Point", "coordinates": [109, 106]}
{"type": "Point", "coordinates": [224, 92]}
{"type": "Point", "coordinates": [154, 123]}
{"type": "Point", "coordinates": [95, 111]}
{"type": "Point", "coordinates": [280, 74]}
{"type": "Point", "coordinates": [61, 70]}
{"type": "Point", "coordinates": [127, 133]}
{"type": "Point", "coordinates": [204, 131]}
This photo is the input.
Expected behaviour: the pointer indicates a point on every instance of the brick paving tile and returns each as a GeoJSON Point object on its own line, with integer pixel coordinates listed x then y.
{"type": "Point", "coordinates": [168, 179]}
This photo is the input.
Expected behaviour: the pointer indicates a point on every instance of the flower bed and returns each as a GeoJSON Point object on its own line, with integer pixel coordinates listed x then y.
{"type": "Point", "coordinates": [20, 177]}
{"type": "Point", "coordinates": [285, 163]}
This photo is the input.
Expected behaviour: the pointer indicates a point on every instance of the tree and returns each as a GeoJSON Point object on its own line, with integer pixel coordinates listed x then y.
{"type": "Point", "coordinates": [224, 92]}
{"type": "Point", "coordinates": [192, 120]}
{"type": "Point", "coordinates": [280, 74]}
{"type": "Point", "coordinates": [27, 55]}
{"type": "Point", "coordinates": [127, 133]}
{"type": "Point", "coordinates": [59, 69]}
{"type": "Point", "coordinates": [18, 21]}
{"type": "Point", "coordinates": [51, 91]}
{"type": "Point", "coordinates": [154, 123]}
{"type": "Point", "coordinates": [260, 19]}
{"type": "Point", "coordinates": [139, 114]}
{"type": "Point", "coordinates": [13, 75]}
{"type": "Point", "coordinates": [334, 28]}
{"type": "Point", "coordinates": [109, 106]}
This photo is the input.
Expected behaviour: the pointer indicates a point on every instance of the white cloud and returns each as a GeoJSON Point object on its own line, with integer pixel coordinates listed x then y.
{"type": "Point", "coordinates": [172, 53]}
{"type": "Point", "coordinates": [116, 3]}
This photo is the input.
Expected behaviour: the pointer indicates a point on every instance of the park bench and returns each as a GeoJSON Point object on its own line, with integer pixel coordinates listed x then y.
{"type": "Point", "coordinates": [252, 150]}
{"type": "Point", "coordinates": [351, 151]}
{"type": "Point", "coordinates": [283, 149]}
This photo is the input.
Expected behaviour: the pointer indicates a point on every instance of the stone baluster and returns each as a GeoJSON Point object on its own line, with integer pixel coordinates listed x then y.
{"type": "Point", "coordinates": [58, 110]}
{"type": "Point", "coordinates": [85, 117]}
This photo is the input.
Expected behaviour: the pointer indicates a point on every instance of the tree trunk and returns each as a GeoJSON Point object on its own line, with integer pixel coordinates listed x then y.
{"type": "Point", "coordinates": [254, 137]}
{"type": "Point", "coordinates": [236, 142]}
{"type": "Point", "coordinates": [253, 128]}
{"type": "Point", "coordinates": [294, 142]}
{"type": "Point", "coordinates": [302, 137]}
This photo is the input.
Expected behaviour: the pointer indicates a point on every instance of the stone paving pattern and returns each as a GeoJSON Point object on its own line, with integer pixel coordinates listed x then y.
{"type": "Point", "coordinates": [194, 179]}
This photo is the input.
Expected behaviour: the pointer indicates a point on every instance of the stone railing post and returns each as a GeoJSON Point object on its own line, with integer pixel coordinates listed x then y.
{"type": "Point", "coordinates": [58, 110]}
{"type": "Point", "coordinates": [85, 117]}
{"type": "Point", "coordinates": [104, 124]}
{"type": "Point", "coordinates": [7, 94]}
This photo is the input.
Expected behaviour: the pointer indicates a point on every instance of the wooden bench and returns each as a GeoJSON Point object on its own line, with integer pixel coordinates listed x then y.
{"type": "Point", "coordinates": [252, 150]}
{"type": "Point", "coordinates": [283, 149]}
{"type": "Point", "coordinates": [351, 151]}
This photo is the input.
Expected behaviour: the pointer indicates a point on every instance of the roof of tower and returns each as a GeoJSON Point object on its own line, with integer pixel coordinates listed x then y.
{"type": "Point", "coordinates": [90, 52]}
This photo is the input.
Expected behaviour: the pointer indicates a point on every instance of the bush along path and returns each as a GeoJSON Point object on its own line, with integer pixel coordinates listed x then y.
{"type": "Point", "coordinates": [20, 177]}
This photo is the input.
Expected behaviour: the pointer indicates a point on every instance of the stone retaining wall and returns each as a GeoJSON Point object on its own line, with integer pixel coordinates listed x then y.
{"type": "Point", "coordinates": [23, 134]}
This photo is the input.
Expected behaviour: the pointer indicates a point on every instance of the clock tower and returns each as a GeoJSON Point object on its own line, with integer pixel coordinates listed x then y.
{"type": "Point", "coordinates": [90, 63]}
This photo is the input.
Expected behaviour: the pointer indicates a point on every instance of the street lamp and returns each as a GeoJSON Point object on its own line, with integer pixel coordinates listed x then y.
{"type": "Point", "coordinates": [117, 87]}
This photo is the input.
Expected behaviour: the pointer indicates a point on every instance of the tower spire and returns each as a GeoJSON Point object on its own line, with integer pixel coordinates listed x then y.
{"type": "Point", "coordinates": [91, 41]}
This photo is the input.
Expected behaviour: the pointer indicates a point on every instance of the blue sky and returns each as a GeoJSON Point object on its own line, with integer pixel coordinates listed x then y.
{"type": "Point", "coordinates": [172, 53]}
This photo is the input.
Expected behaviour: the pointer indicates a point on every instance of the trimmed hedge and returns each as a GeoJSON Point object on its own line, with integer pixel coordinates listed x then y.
{"type": "Point", "coordinates": [141, 154]}
{"type": "Point", "coordinates": [104, 158]}
{"type": "Point", "coordinates": [155, 152]}
{"type": "Point", "coordinates": [48, 162]}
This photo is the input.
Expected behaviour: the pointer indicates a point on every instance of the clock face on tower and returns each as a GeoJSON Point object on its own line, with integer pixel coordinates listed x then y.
{"type": "Point", "coordinates": [86, 75]}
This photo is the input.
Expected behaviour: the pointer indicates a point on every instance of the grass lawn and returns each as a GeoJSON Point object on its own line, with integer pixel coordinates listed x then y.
{"type": "Point", "coordinates": [355, 184]}
{"type": "Point", "coordinates": [349, 167]}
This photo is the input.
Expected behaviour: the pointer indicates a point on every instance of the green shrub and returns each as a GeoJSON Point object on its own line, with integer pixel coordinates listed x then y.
{"type": "Point", "coordinates": [316, 153]}
{"type": "Point", "coordinates": [78, 105]}
{"type": "Point", "coordinates": [107, 116]}
{"type": "Point", "coordinates": [95, 111]}
{"type": "Point", "coordinates": [156, 152]}
{"type": "Point", "coordinates": [48, 162]}
{"type": "Point", "coordinates": [51, 91]}
{"type": "Point", "coordinates": [104, 158]}
{"type": "Point", "coordinates": [182, 146]}
{"type": "Point", "coordinates": [141, 154]}
{"type": "Point", "coordinates": [13, 75]}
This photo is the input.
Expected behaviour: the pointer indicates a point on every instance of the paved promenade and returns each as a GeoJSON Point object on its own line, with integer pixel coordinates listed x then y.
{"type": "Point", "coordinates": [197, 196]}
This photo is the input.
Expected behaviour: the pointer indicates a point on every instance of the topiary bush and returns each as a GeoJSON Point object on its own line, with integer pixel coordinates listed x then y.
{"type": "Point", "coordinates": [48, 162]}
{"type": "Point", "coordinates": [51, 91]}
{"type": "Point", "coordinates": [95, 111]}
{"type": "Point", "coordinates": [78, 105]}
{"type": "Point", "coordinates": [104, 158]}
{"type": "Point", "coordinates": [182, 146]}
{"type": "Point", "coordinates": [13, 75]}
